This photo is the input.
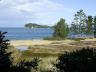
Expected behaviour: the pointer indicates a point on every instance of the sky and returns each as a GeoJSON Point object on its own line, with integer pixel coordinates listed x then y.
{"type": "Point", "coordinates": [16, 13]}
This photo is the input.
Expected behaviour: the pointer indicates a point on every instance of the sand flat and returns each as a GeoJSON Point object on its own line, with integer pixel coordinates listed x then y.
{"type": "Point", "coordinates": [37, 42]}
{"type": "Point", "coordinates": [29, 42]}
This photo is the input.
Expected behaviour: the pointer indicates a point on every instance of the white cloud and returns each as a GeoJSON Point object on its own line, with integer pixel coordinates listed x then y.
{"type": "Point", "coordinates": [32, 9]}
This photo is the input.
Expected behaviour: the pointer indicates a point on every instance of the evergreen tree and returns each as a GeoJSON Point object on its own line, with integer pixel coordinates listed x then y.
{"type": "Point", "coordinates": [74, 28]}
{"type": "Point", "coordinates": [5, 61]}
{"type": "Point", "coordinates": [67, 29]}
{"type": "Point", "coordinates": [80, 20]}
{"type": "Point", "coordinates": [89, 25]}
{"type": "Point", "coordinates": [95, 26]}
{"type": "Point", "coordinates": [61, 29]}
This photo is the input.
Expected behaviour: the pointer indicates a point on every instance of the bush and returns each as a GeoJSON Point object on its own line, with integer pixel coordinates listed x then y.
{"type": "Point", "coordinates": [83, 60]}
{"type": "Point", "coordinates": [54, 38]}
{"type": "Point", "coordinates": [78, 39]}
{"type": "Point", "coordinates": [5, 61]}
{"type": "Point", "coordinates": [48, 38]}
{"type": "Point", "coordinates": [26, 66]}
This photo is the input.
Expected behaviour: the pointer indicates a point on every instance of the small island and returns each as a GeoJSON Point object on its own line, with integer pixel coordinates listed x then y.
{"type": "Point", "coordinates": [34, 25]}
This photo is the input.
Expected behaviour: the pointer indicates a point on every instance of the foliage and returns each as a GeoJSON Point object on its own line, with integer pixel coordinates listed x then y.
{"type": "Point", "coordinates": [74, 28]}
{"type": "Point", "coordinates": [83, 24]}
{"type": "Point", "coordinates": [83, 60]}
{"type": "Point", "coordinates": [26, 66]}
{"type": "Point", "coordinates": [15, 54]}
{"type": "Point", "coordinates": [95, 26]}
{"type": "Point", "coordinates": [89, 25]}
{"type": "Point", "coordinates": [60, 29]}
{"type": "Point", "coordinates": [33, 25]}
{"type": "Point", "coordinates": [79, 22]}
{"type": "Point", "coordinates": [78, 39]}
{"type": "Point", "coordinates": [5, 61]}
{"type": "Point", "coordinates": [29, 25]}
{"type": "Point", "coordinates": [53, 38]}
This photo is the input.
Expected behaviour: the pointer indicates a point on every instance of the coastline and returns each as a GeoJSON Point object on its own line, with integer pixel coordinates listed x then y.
{"type": "Point", "coordinates": [54, 43]}
{"type": "Point", "coordinates": [37, 42]}
{"type": "Point", "coordinates": [29, 42]}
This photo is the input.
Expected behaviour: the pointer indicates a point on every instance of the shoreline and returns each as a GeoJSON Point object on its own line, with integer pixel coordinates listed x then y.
{"type": "Point", "coordinates": [29, 42]}
{"type": "Point", "coordinates": [47, 46]}
{"type": "Point", "coordinates": [37, 42]}
{"type": "Point", "coordinates": [46, 42]}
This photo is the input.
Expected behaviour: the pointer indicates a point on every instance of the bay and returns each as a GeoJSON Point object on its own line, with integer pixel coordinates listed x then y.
{"type": "Point", "coordinates": [27, 34]}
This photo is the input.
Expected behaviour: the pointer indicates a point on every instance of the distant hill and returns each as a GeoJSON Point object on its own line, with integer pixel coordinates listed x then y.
{"type": "Point", "coordinates": [33, 25]}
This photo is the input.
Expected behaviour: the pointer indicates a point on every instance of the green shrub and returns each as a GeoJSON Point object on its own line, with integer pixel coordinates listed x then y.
{"type": "Point", "coordinates": [30, 54]}
{"type": "Point", "coordinates": [78, 39]}
{"type": "Point", "coordinates": [53, 38]}
{"type": "Point", "coordinates": [48, 38]}
{"type": "Point", "coordinates": [83, 60]}
{"type": "Point", "coordinates": [5, 61]}
{"type": "Point", "coordinates": [26, 66]}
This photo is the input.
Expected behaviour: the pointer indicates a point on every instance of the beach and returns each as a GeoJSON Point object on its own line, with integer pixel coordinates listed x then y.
{"type": "Point", "coordinates": [48, 51]}
{"type": "Point", "coordinates": [37, 42]}
{"type": "Point", "coordinates": [58, 46]}
{"type": "Point", "coordinates": [44, 42]}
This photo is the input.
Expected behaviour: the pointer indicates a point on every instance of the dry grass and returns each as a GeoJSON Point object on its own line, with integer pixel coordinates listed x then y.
{"type": "Point", "coordinates": [48, 51]}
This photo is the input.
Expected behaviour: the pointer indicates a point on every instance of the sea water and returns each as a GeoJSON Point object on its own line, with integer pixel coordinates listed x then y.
{"type": "Point", "coordinates": [27, 34]}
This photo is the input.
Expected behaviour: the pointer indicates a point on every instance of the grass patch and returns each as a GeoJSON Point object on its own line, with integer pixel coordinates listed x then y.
{"type": "Point", "coordinates": [78, 39]}
{"type": "Point", "coordinates": [30, 54]}
{"type": "Point", "coordinates": [53, 38]}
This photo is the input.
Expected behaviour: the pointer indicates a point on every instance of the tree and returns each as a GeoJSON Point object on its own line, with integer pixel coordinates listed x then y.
{"type": "Point", "coordinates": [89, 25]}
{"type": "Point", "coordinates": [83, 60]}
{"type": "Point", "coordinates": [74, 28]}
{"type": "Point", "coordinates": [29, 25]}
{"type": "Point", "coordinates": [95, 26]}
{"type": "Point", "coordinates": [5, 61]}
{"type": "Point", "coordinates": [80, 20]}
{"type": "Point", "coordinates": [67, 29]}
{"type": "Point", "coordinates": [61, 29]}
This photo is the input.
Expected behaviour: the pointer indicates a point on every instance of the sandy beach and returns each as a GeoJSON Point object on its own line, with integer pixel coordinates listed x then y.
{"type": "Point", "coordinates": [29, 42]}
{"type": "Point", "coordinates": [37, 42]}
{"type": "Point", "coordinates": [43, 42]}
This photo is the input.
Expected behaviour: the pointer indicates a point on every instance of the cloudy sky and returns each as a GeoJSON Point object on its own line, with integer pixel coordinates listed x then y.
{"type": "Point", "coordinates": [16, 13]}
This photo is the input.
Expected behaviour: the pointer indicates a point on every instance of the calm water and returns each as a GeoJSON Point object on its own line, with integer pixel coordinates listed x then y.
{"type": "Point", "coordinates": [27, 34]}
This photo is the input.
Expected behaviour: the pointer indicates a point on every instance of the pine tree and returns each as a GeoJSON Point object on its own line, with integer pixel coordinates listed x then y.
{"type": "Point", "coordinates": [80, 20]}
{"type": "Point", "coordinates": [74, 28]}
{"type": "Point", "coordinates": [89, 25]}
{"type": "Point", "coordinates": [95, 26]}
